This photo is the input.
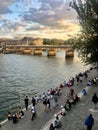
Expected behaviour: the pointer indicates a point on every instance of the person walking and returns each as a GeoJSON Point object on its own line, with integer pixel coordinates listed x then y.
{"type": "Point", "coordinates": [89, 122]}
{"type": "Point", "coordinates": [94, 100]}
{"type": "Point", "coordinates": [33, 111]}
{"type": "Point", "coordinates": [26, 100]}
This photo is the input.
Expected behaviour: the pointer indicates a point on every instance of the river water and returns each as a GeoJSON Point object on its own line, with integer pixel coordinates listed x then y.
{"type": "Point", "coordinates": [22, 75]}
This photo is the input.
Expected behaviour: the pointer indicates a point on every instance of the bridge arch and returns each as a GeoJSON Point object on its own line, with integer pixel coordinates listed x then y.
{"type": "Point", "coordinates": [69, 53]}
{"type": "Point", "coordinates": [51, 52]}
{"type": "Point", "coordinates": [37, 51]}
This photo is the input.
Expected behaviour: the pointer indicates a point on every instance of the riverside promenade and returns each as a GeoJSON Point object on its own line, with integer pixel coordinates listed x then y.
{"type": "Point", "coordinates": [73, 120]}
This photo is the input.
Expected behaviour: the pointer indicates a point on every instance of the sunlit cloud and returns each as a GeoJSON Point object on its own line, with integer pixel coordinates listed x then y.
{"type": "Point", "coordinates": [44, 18]}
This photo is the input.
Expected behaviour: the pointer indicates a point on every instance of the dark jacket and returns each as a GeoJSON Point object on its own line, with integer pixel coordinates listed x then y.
{"type": "Point", "coordinates": [89, 121]}
{"type": "Point", "coordinates": [95, 98]}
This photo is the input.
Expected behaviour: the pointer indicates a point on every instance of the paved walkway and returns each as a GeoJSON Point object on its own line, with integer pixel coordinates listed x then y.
{"type": "Point", "coordinates": [74, 120]}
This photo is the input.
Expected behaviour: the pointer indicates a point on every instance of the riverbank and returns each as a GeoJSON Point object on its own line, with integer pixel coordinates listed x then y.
{"type": "Point", "coordinates": [73, 120]}
{"type": "Point", "coordinates": [22, 75]}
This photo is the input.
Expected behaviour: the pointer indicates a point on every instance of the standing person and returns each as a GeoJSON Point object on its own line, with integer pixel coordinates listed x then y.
{"type": "Point", "coordinates": [26, 100]}
{"type": "Point", "coordinates": [89, 122]}
{"type": "Point", "coordinates": [48, 105]}
{"type": "Point", "coordinates": [94, 100]}
{"type": "Point", "coordinates": [33, 101]}
{"type": "Point", "coordinates": [33, 113]}
{"type": "Point", "coordinates": [45, 105]}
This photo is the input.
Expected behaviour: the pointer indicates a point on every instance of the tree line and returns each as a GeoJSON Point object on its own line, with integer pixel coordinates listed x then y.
{"type": "Point", "coordinates": [57, 42]}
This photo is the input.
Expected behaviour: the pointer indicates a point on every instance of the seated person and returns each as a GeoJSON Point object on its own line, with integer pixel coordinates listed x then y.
{"type": "Point", "coordinates": [84, 91]}
{"type": "Point", "coordinates": [69, 102]}
{"type": "Point", "coordinates": [61, 85]}
{"type": "Point", "coordinates": [36, 99]}
{"type": "Point", "coordinates": [89, 83]}
{"type": "Point", "coordinates": [43, 96]}
{"type": "Point", "coordinates": [15, 118]}
{"type": "Point", "coordinates": [64, 83]}
{"type": "Point", "coordinates": [63, 111]}
{"type": "Point", "coordinates": [57, 122]}
{"type": "Point", "coordinates": [58, 91]}
{"type": "Point", "coordinates": [40, 98]}
{"type": "Point", "coordinates": [20, 113]}
{"type": "Point", "coordinates": [76, 98]}
{"type": "Point", "coordinates": [67, 105]}
{"type": "Point", "coordinates": [51, 127]}
{"type": "Point", "coordinates": [10, 116]}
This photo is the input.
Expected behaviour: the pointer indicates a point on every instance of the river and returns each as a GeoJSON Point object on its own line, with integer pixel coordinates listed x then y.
{"type": "Point", "coordinates": [22, 75]}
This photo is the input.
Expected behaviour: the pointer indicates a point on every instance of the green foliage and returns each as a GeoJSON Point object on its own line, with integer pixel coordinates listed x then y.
{"type": "Point", "coordinates": [87, 43]}
{"type": "Point", "coordinates": [88, 49]}
{"type": "Point", "coordinates": [31, 43]}
{"type": "Point", "coordinates": [53, 42]}
{"type": "Point", "coordinates": [70, 41]}
{"type": "Point", "coordinates": [47, 41]}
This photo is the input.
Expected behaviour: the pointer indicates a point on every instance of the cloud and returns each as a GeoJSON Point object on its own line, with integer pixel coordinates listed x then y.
{"type": "Point", "coordinates": [51, 13]}
{"type": "Point", "coordinates": [4, 4]}
{"type": "Point", "coordinates": [1, 16]}
{"type": "Point", "coordinates": [11, 28]}
{"type": "Point", "coordinates": [34, 28]}
{"type": "Point", "coordinates": [50, 18]}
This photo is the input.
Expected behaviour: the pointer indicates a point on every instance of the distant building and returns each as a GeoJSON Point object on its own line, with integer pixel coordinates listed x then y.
{"type": "Point", "coordinates": [38, 41]}
{"type": "Point", "coordinates": [32, 41]}
{"type": "Point", "coordinates": [25, 41]}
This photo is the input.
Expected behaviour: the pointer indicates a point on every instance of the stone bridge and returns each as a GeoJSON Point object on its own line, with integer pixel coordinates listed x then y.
{"type": "Point", "coordinates": [36, 49]}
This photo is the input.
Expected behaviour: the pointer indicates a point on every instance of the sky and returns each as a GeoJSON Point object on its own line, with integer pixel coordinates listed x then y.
{"type": "Point", "coordinates": [38, 19]}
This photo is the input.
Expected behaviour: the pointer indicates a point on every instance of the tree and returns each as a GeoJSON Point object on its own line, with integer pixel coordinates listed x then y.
{"type": "Point", "coordinates": [46, 41]}
{"type": "Point", "coordinates": [55, 42]}
{"type": "Point", "coordinates": [87, 43]}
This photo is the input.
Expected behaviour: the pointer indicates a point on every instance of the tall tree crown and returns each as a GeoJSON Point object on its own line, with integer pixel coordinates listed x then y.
{"type": "Point", "coordinates": [87, 44]}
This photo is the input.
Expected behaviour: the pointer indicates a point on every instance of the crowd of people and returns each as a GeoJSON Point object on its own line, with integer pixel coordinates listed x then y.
{"type": "Point", "coordinates": [15, 117]}
{"type": "Point", "coordinates": [52, 95]}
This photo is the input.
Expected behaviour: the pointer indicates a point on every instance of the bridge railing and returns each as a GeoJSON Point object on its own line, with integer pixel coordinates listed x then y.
{"type": "Point", "coordinates": [37, 46]}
